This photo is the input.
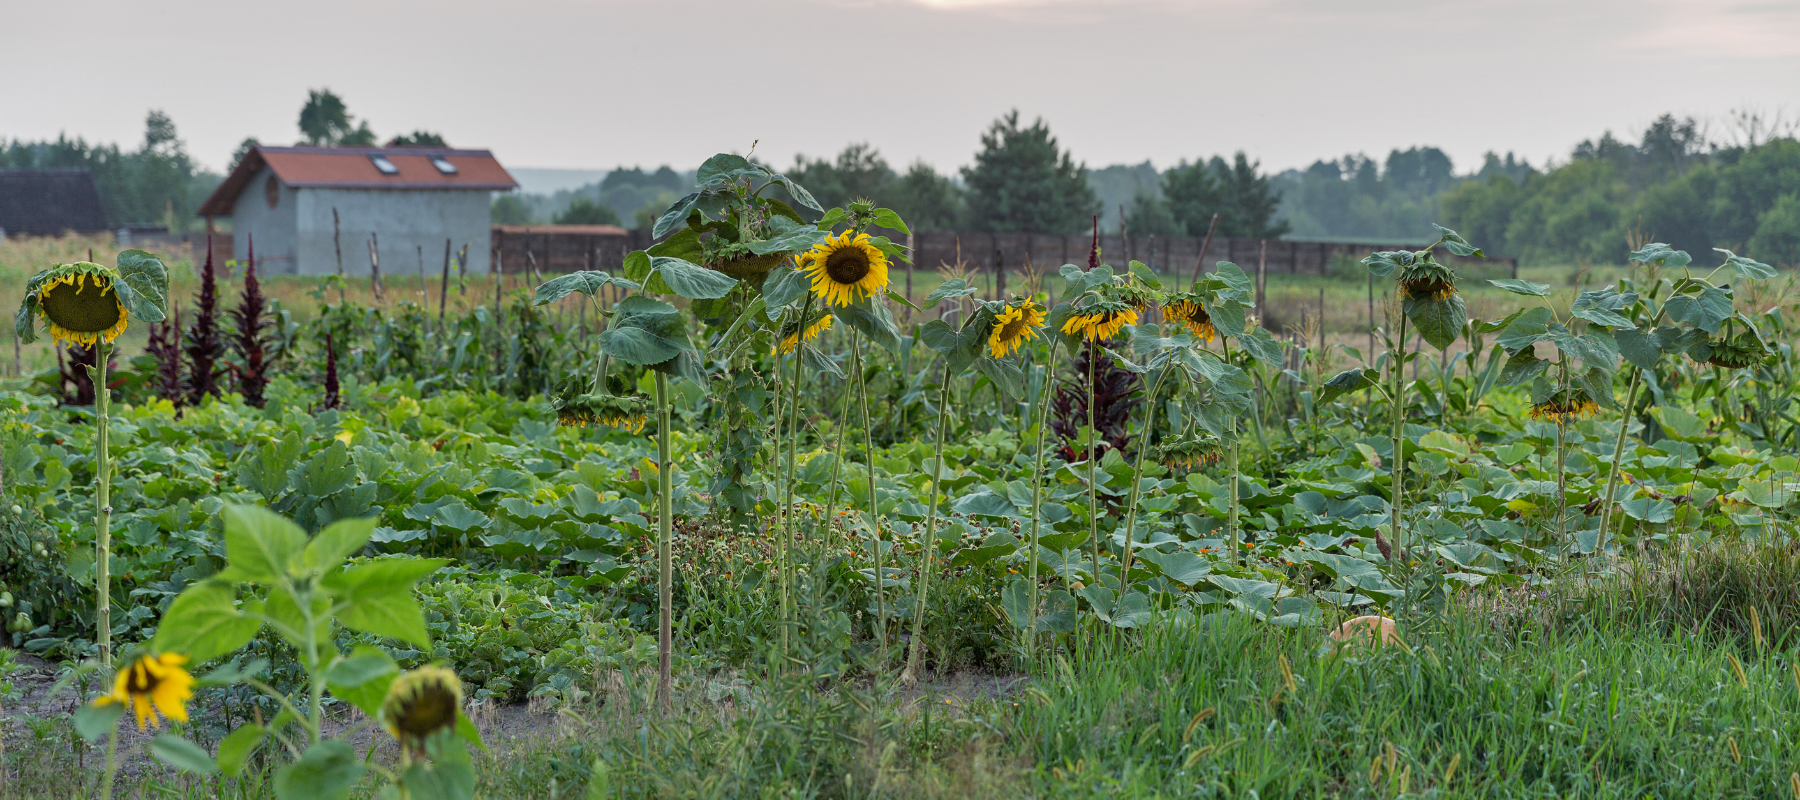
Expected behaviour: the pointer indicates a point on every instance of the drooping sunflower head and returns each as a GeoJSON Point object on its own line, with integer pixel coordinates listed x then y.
{"type": "Point", "coordinates": [1014, 326]}
{"type": "Point", "coordinates": [1736, 352]}
{"type": "Point", "coordinates": [1190, 450]}
{"type": "Point", "coordinates": [1426, 279]}
{"type": "Point", "coordinates": [78, 303]}
{"type": "Point", "coordinates": [846, 268]}
{"type": "Point", "coordinates": [1135, 294]}
{"type": "Point", "coordinates": [150, 685]}
{"type": "Point", "coordinates": [1100, 320]}
{"type": "Point", "coordinates": [1186, 308]}
{"type": "Point", "coordinates": [421, 702]}
{"type": "Point", "coordinates": [599, 408]}
{"type": "Point", "coordinates": [1564, 406]}
{"type": "Point", "coordinates": [791, 333]}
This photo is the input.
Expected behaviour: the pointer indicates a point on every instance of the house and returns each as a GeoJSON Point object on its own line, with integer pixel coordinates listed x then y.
{"type": "Point", "coordinates": [49, 202]}
{"type": "Point", "coordinates": [305, 205]}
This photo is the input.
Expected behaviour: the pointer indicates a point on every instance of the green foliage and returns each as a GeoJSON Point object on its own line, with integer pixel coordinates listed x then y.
{"type": "Point", "coordinates": [928, 200]}
{"type": "Point", "coordinates": [156, 183]}
{"type": "Point", "coordinates": [587, 212]}
{"type": "Point", "coordinates": [1023, 181]}
{"type": "Point", "coordinates": [325, 120]}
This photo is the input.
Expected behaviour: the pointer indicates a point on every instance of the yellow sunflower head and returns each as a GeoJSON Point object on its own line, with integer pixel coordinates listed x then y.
{"type": "Point", "coordinates": [1564, 406]}
{"type": "Point", "coordinates": [79, 304]}
{"type": "Point", "coordinates": [846, 268]}
{"type": "Point", "coordinates": [1014, 326]}
{"type": "Point", "coordinates": [791, 334]}
{"type": "Point", "coordinates": [1101, 320]}
{"type": "Point", "coordinates": [1187, 310]}
{"type": "Point", "coordinates": [420, 703]}
{"type": "Point", "coordinates": [625, 413]}
{"type": "Point", "coordinates": [152, 684]}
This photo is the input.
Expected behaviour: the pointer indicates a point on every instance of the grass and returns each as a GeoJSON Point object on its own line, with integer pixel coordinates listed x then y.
{"type": "Point", "coordinates": [1621, 688]}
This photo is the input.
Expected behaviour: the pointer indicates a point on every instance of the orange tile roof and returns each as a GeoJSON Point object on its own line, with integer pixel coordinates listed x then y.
{"type": "Point", "coordinates": [352, 168]}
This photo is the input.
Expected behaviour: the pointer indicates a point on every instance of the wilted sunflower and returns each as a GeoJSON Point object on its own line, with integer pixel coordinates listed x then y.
{"type": "Point", "coordinates": [1014, 326]}
{"type": "Point", "coordinates": [152, 684]}
{"type": "Point", "coordinates": [78, 303]}
{"type": "Point", "coordinates": [1564, 406]}
{"type": "Point", "coordinates": [846, 268]}
{"type": "Point", "coordinates": [1137, 295]}
{"type": "Point", "coordinates": [1186, 309]}
{"type": "Point", "coordinates": [791, 333]}
{"type": "Point", "coordinates": [1101, 320]}
{"type": "Point", "coordinates": [421, 702]}
{"type": "Point", "coordinates": [625, 413]}
{"type": "Point", "coordinates": [1427, 280]}
{"type": "Point", "coordinates": [1188, 451]}
{"type": "Point", "coordinates": [1736, 352]}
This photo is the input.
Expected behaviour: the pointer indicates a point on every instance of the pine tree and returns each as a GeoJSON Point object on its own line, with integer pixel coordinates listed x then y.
{"type": "Point", "coordinates": [1023, 182]}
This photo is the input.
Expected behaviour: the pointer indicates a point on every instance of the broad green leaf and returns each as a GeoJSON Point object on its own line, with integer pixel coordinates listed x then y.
{"type": "Point", "coordinates": [395, 615]}
{"type": "Point", "coordinates": [1444, 443]}
{"type": "Point", "coordinates": [1641, 348]}
{"type": "Point", "coordinates": [691, 280]}
{"type": "Point", "coordinates": [93, 721]}
{"type": "Point", "coordinates": [888, 218]}
{"type": "Point", "coordinates": [446, 774]}
{"type": "Point", "coordinates": [1517, 286]}
{"type": "Point", "coordinates": [985, 504]}
{"type": "Point", "coordinates": [1350, 380]}
{"type": "Point", "coordinates": [1455, 243]}
{"type": "Point", "coordinates": [588, 282]}
{"type": "Point", "coordinates": [236, 748]}
{"type": "Point", "coordinates": [796, 239]}
{"type": "Point", "coordinates": [362, 679]}
{"type": "Point", "coordinates": [1015, 600]}
{"type": "Point", "coordinates": [1525, 331]}
{"type": "Point", "coordinates": [645, 332]}
{"type": "Point", "coordinates": [724, 168]}
{"type": "Point", "coordinates": [1234, 277]}
{"type": "Point", "coordinates": [338, 541]}
{"type": "Point", "coordinates": [1598, 384]}
{"type": "Point", "coordinates": [143, 286]}
{"type": "Point", "coordinates": [204, 623]}
{"type": "Point", "coordinates": [1262, 347]}
{"type": "Point", "coordinates": [1661, 255]}
{"type": "Point", "coordinates": [871, 319]}
{"type": "Point", "coordinates": [1182, 566]}
{"type": "Point", "coordinates": [784, 287]}
{"type": "Point", "coordinates": [1601, 308]}
{"type": "Point", "coordinates": [183, 755]}
{"type": "Point", "coordinates": [260, 544]}
{"type": "Point", "coordinates": [381, 576]}
{"type": "Point", "coordinates": [675, 216]}
{"type": "Point", "coordinates": [954, 287]}
{"type": "Point", "coordinates": [1144, 274]}
{"type": "Point", "coordinates": [1746, 267]}
{"type": "Point", "coordinates": [1439, 321]}
{"type": "Point", "coordinates": [326, 771]}
{"type": "Point", "coordinates": [1522, 367]}
{"type": "Point", "coordinates": [1005, 373]}
{"type": "Point", "coordinates": [1228, 315]}
{"type": "Point", "coordinates": [1649, 510]}
{"type": "Point", "coordinates": [1383, 264]}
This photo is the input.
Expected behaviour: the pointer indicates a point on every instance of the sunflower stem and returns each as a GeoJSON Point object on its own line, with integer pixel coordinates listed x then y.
{"type": "Point", "coordinates": [1037, 485]}
{"type": "Point", "coordinates": [1231, 468]}
{"type": "Point", "coordinates": [837, 453]}
{"type": "Point", "coordinates": [1612, 472]}
{"type": "Point", "coordinates": [1399, 455]}
{"type": "Point", "coordinates": [872, 514]}
{"type": "Point", "coordinates": [1562, 502]}
{"type": "Point", "coordinates": [928, 546]}
{"type": "Point", "coordinates": [664, 557]}
{"type": "Point", "coordinates": [786, 544]}
{"type": "Point", "coordinates": [1137, 483]}
{"type": "Point", "coordinates": [102, 504]}
{"type": "Point", "coordinates": [1093, 491]}
{"type": "Point", "coordinates": [112, 761]}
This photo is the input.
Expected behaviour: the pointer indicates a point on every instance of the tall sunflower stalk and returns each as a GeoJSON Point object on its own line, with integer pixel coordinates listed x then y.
{"type": "Point", "coordinates": [784, 546]}
{"type": "Point", "coordinates": [88, 304]}
{"type": "Point", "coordinates": [1037, 482]}
{"type": "Point", "coordinates": [871, 514]}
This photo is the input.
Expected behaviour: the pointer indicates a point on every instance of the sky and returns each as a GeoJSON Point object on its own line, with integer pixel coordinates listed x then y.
{"type": "Point", "coordinates": [596, 84]}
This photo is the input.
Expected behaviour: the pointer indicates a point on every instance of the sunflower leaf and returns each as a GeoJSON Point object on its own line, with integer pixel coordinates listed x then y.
{"type": "Point", "coordinates": [955, 287]}
{"type": "Point", "coordinates": [1350, 380]}
{"type": "Point", "coordinates": [890, 219]}
{"type": "Point", "coordinates": [143, 285]}
{"type": "Point", "coordinates": [1746, 267]}
{"type": "Point", "coordinates": [793, 240]}
{"type": "Point", "coordinates": [645, 332]}
{"type": "Point", "coordinates": [1439, 321]}
{"type": "Point", "coordinates": [692, 281]}
{"type": "Point", "coordinates": [1661, 255]}
{"type": "Point", "coordinates": [818, 363]}
{"type": "Point", "coordinates": [1525, 330]}
{"type": "Point", "coordinates": [1521, 367]}
{"type": "Point", "coordinates": [1261, 346]}
{"type": "Point", "coordinates": [873, 320]}
{"type": "Point", "coordinates": [1384, 263]}
{"type": "Point", "coordinates": [676, 215]}
{"type": "Point", "coordinates": [25, 321]}
{"type": "Point", "coordinates": [183, 755]}
{"type": "Point", "coordinates": [1005, 373]}
{"type": "Point", "coordinates": [1517, 286]}
{"type": "Point", "coordinates": [587, 281]}
{"type": "Point", "coordinates": [724, 168]}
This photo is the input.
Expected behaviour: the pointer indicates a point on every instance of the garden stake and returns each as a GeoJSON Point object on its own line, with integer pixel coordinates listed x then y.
{"type": "Point", "coordinates": [664, 557]}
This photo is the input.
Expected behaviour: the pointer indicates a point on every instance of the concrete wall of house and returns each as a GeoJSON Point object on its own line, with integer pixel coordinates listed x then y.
{"type": "Point", "coordinates": [405, 222]}
{"type": "Point", "coordinates": [272, 228]}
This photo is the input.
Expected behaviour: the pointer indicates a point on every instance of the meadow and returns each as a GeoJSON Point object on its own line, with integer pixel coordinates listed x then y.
{"type": "Point", "coordinates": [742, 520]}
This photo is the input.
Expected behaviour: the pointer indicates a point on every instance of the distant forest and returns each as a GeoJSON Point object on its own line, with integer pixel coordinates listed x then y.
{"type": "Point", "coordinates": [1675, 183]}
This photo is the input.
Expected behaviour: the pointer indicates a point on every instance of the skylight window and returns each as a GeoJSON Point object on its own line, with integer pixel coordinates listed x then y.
{"type": "Point", "coordinates": [382, 163]}
{"type": "Point", "coordinates": [443, 165]}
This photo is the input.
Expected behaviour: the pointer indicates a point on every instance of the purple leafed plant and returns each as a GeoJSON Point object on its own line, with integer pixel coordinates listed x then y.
{"type": "Point", "coordinates": [205, 348]}
{"type": "Point", "coordinates": [165, 347]}
{"type": "Point", "coordinates": [1114, 400]}
{"type": "Point", "coordinates": [250, 318]}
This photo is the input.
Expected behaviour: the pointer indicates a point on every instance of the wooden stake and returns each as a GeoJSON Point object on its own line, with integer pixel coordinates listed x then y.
{"type": "Point", "coordinates": [1205, 244]}
{"type": "Point", "coordinates": [375, 266]}
{"type": "Point", "coordinates": [337, 244]}
{"type": "Point", "coordinates": [444, 286]}
{"type": "Point", "coordinates": [1262, 271]}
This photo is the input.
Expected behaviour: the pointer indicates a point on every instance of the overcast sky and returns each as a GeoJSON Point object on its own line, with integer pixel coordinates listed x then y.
{"type": "Point", "coordinates": [600, 83]}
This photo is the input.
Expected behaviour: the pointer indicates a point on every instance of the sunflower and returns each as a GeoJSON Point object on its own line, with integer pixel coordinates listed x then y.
{"type": "Point", "coordinates": [420, 703]}
{"type": "Point", "coordinates": [1188, 451]}
{"type": "Point", "coordinates": [157, 681]}
{"type": "Point", "coordinates": [792, 337]}
{"type": "Point", "coordinates": [1188, 310]}
{"type": "Point", "coordinates": [1736, 352]}
{"type": "Point", "coordinates": [1427, 280]}
{"type": "Point", "coordinates": [625, 413]}
{"type": "Point", "coordinates": [1564, 406]}
{"type": "Point", "coordinates": [78, 303]}
{"type": "Point", "coordinates": [1014, 326]}
{"type": "Point", "coordinates": [1101, 320]}
{"type": "Point", "coordinates": [846, 268]}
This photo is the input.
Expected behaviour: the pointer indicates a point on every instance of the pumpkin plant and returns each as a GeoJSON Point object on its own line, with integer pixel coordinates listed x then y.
{"type": "Point", "coordinates": [88, 304]}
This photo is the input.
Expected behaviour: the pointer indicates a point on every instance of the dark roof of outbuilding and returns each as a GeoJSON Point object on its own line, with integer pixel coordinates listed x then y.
{"type": "Point", "coordinates": [49, 202]}
{"type": "Point", "coordinates": [354, 168]}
